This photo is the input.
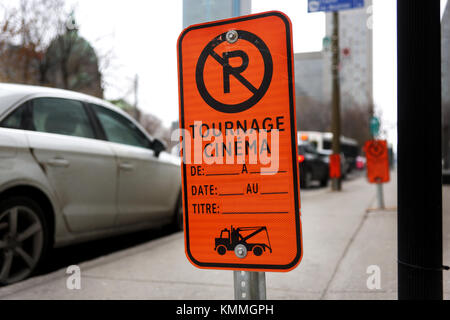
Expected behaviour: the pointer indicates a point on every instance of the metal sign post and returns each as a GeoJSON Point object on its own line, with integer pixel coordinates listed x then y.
{"type": "Point", "coordinates": [380, 196]}
{"type": "Point", "coordinates": [375, 130]}
{"type": "Point", "coordinates": [249, 285]}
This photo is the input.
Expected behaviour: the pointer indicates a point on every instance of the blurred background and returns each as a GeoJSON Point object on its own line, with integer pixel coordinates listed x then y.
{"type": "Point", "coordinates": [124, 51]}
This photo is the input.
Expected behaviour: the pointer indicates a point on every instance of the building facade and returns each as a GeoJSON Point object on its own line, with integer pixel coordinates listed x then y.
{"type": "Point", "coordinates": [309, 75]}
{"type": "Point", "coordinates": [356, 57]}
{"type": "Point", "coordinates": [199, 11]}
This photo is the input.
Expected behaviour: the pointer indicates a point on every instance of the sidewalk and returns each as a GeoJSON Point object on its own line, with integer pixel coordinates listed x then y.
{"type": "Point", "coordinates": [341, 239]}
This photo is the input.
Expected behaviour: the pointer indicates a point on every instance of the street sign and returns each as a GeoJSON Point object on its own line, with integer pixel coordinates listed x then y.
{"type": "Point", "coordinates": [239, 140]}
{"type": "Point", "coordinates": [335, 166]}
{"type": "Point", "coordinates": [333, 5]}
{"type": "Point", "coordinates": [374, 126]}
{"type": "Point", "coordinates": [326, 43]}
{"type": "Point", "coordinates": [377, 161]}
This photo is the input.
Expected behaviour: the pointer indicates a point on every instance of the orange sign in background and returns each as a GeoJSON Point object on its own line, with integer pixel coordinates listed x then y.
{"type": "Point", "coordinates": [335, 166]}
{"type": "Point", "coordinates": [237, 74]}
{"type": "Point", "coordinates": [377, 161]}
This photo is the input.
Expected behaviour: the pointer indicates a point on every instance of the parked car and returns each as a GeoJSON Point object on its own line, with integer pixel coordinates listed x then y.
{"type": "Point", "coordinates": [75, 168]}
{"type": "Point", "coordinates": [312, 165]}
{"type": "Point", "coordinates": [360, 163]}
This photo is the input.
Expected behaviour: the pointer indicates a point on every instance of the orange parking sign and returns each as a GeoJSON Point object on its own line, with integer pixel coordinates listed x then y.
{"type": "Point", "coordinates": [335, 166]}
{"type": "Point", "coordinates": [241, 196]}
{"type": "Point", "coordinates": [377, 161]}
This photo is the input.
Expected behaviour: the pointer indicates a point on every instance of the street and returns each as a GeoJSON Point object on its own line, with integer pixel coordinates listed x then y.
{"type": "Point", "coordinates": [342, 239]}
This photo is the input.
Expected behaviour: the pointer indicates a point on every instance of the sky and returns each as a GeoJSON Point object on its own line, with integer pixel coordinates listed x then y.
{"type": "Point", "coordinates": [143, 35]}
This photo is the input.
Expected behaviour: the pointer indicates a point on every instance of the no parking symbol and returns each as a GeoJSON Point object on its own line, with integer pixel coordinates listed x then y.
{"type": "Point", "coordinates": [236, 71]}
{"type": "Point", "coordinates": [377, 161]}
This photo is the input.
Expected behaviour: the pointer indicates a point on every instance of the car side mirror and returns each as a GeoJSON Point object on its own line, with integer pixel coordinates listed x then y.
{"type": "Point", "coordinates": [158, 146]}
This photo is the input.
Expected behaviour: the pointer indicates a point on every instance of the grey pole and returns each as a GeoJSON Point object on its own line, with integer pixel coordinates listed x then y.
{"type": "Point", "coordinates": [249, 285]}
{"type": "Point", "coordinates": [380, 196]}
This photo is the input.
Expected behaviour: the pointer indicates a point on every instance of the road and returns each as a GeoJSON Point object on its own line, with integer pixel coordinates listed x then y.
{"type": "Point", "coordinates": [342, 239]}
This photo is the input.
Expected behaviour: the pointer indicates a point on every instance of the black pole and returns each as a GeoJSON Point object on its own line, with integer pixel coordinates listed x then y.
{"type": "Point", "coordinates": [419, 150]}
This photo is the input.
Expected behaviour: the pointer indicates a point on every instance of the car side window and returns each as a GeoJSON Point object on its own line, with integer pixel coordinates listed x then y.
{"type": "Point", "coordinates": [16, 120]}
{"type": "Point", "coordinates": [61, 116]}
{"type": "Point", "coordinates": [119, 129]}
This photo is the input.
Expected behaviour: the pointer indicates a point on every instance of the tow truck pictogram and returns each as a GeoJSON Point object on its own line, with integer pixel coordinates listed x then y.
{"type": "Point", "coordinates": [230, 238]}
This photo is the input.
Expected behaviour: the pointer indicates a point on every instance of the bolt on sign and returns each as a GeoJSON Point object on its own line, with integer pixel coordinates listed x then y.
{"type": "Point", "coordinates": [377, 161]}
{"type": "Point", "coordinates": [239, 144]}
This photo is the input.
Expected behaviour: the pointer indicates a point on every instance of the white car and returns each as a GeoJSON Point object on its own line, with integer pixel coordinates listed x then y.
{"type": "Point", "coordinates": [75, 168]}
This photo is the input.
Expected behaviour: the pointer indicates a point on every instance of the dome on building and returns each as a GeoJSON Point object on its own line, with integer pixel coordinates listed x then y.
{"type": "Point", "coordinates": [71, 63]}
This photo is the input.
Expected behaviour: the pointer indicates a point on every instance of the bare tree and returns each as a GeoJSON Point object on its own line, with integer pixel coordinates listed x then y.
{"type": "Point", "coordinates": [355, 123]}
{"type": "Point", "coordinates": [154, 126]}
{"type": "Point", "coordinates": [40, 44]}
{"type": "Point", "coordinates": [71, 63]}
{"type": "Point", "coordinates": [313, 115]}
{"type": "Point", "coordinates": [27, 30]}
{"type": "Point", "coordinates": [316, 116]}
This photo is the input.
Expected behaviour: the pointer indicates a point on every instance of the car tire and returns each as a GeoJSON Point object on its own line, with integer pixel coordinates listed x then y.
{"type": "Point", "coordinates": [24, 238]}
{"type": "Point", "coordinates": [324, 182]}
{"type": "Point", "coordinates": [307, 178]}
{"type": "Point", "coordinates": [177, 222]}
{"type": "Point", "coordinates": [302, 179]}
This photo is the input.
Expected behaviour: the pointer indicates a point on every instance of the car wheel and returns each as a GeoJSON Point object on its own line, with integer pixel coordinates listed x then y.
{"type": "Point", "coordinates": [23, 238]}
{"type": "Point", "coordinates": [302, 180]}
{"type": "Point", "coordinates": [324, 182]}
{"type": "Point", "coordinates": [307, 179]}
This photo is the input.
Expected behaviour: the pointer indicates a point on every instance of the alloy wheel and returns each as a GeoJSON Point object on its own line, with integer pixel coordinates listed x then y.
{"type": "Point", "coordinates": [21, 243]}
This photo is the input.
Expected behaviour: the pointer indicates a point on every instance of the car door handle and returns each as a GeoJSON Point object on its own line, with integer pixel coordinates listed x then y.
{"type": "Point", "coordinates": [58, 162]}
{"type": "Point", "coordinates": [126, 166]}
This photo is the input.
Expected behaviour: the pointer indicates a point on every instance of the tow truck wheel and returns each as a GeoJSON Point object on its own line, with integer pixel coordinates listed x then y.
{"type": "Point", "coordinates": [257, 251]}
{"type": "Point", "coordinates": [221, 250]}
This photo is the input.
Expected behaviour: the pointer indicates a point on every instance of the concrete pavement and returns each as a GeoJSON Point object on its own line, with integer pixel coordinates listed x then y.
{"type": "Point", "coordinates": [341, 240]}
